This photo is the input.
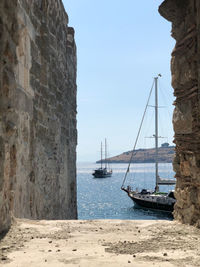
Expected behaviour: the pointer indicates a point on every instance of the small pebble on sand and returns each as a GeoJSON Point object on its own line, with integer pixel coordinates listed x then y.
{"type": "Point", "coordinates": [4, 248]}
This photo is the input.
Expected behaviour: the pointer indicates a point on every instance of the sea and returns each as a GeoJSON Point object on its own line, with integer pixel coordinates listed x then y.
{"type": "Point", "coordinates": [102, 198]}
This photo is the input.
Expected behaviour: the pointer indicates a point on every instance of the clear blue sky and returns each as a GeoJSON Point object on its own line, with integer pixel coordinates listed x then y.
{"type": "Point", "coordinates": [121, 46]}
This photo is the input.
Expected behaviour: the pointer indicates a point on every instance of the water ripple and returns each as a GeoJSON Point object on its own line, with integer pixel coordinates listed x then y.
{"type": "Point", "coordinates": [103, 198]}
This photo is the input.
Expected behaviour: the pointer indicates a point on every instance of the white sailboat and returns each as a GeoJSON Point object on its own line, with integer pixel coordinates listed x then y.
{"type": "Point", "coordinates": [146, 198]}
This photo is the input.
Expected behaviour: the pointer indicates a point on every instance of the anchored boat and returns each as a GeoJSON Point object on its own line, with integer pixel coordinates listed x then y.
{"type": "Point", "coordinates": [103, 171]}
{"type": "Point", "coordinates": [146, 198]}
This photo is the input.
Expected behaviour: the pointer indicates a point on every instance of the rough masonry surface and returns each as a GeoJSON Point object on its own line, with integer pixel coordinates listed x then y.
{"type": "Point", "coordinates": [185, 18]}
{"type": "Point", "coordinates": [38, 134]}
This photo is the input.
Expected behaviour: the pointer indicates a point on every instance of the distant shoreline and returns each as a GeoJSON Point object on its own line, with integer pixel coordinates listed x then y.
{"type": "Point", "coordinates": [165, 155]}
{"type": "Point", "coordinates": [137, 162]}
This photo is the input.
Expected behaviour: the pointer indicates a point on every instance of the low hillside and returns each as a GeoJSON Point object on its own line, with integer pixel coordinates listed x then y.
{"type": "Point", "coordinates": [165, 155]}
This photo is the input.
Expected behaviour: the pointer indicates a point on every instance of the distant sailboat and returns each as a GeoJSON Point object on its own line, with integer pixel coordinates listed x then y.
{"type": "Point", "coordinates": [146, 198]}
{"type": "Point", "coordinates": [105, 171]}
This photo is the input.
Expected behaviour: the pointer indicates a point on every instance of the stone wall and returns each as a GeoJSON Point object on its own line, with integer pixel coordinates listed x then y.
{"type": "Point", "coordinates": [8, 44]}
{"type": "Point", "coordinates": [38, 133]}
{"type": "Point", "coordinates": [185, 18]}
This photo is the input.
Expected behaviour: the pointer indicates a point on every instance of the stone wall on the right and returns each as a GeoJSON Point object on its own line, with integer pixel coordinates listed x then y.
{"type": "Point", "coordinates": [185, 68]}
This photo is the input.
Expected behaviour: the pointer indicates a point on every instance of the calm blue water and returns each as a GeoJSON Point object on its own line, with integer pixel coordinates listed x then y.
{"type": "Point", "coordinates": [102, 198]}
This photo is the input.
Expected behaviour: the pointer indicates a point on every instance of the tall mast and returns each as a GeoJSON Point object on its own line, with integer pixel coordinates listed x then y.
{"type": "Point", "coordinates": [101, 155]}
{"type": "Point", "coordinates": [156, 132]}
{"type": "Point", "coordinates": [105, 154]}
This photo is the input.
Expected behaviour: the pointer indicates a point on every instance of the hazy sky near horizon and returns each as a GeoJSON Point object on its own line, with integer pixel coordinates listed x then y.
{"type": "Point", "coordinates": [121, 46]}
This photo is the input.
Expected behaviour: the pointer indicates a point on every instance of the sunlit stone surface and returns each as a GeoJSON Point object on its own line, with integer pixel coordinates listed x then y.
{"type": "Point", "coordinates": [37, 111]}
{"type": "Point", "coordinates": [185, 19]}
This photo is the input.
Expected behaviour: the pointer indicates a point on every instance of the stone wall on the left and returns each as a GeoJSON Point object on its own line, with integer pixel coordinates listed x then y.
{"type": "Point", "coordinates": [8, 44]}
{"type": "Point", "coordinates": [38, 133]}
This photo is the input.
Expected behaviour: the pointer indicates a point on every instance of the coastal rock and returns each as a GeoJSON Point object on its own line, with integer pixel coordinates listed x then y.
{"type": "Point", "coordinates": [165, 154]}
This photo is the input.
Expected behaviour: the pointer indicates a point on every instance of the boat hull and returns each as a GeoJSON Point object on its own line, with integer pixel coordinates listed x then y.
{"type": "Point", "coordinates": [102, 173]}
{"type": "Point", "coordinates": [102, 176]}
{"type": "Point", "coordinates": [157, 204]}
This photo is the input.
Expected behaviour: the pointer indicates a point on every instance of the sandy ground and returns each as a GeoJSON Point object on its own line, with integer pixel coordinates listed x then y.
{"type": "Point", "coordinates": [100, 243]}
